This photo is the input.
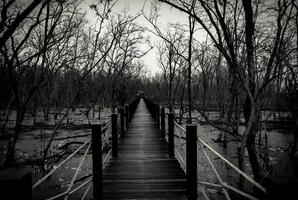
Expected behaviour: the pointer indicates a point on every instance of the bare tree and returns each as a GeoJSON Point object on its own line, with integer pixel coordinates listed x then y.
{"type": "Point", "coordinates": [121, 62]}
{"type": "Point", "coordinates": [225, 22]}
{"type": "Point", "coordinates": [12, 16]}
{"type": "Point", "coordinates": [25, 66]}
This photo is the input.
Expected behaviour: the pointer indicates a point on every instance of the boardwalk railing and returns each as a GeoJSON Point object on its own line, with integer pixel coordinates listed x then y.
{"type": "Point", "coordinates": [119, 123]}
{"type": "Point", "coordinates": [188, 137]}
{"type": "Point", "coordinates": [105, 139]}
{"type": "Point", "coordinates": [99, 143]}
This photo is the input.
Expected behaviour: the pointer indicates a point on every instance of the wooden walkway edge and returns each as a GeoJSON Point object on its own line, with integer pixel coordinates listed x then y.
{"type": "Point", "coordinates": [143, 169]}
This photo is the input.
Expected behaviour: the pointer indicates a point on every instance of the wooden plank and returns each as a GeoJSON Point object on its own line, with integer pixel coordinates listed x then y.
{"type": "Point", "coordinates": [143, 169]}
{"type": "Point", "coordinates": [144, 195]}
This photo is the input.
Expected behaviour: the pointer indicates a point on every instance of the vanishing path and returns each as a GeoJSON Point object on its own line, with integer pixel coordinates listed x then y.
{"type": "Point", "coordinates": [143, 169]}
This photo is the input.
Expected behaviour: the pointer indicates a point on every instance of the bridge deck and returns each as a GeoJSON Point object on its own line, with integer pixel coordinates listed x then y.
{"type": "Point", "coordinates": [143, 169]}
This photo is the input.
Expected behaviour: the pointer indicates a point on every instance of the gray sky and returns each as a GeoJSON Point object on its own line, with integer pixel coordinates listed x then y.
{"type": "Point", "coordinates": [167, 15]}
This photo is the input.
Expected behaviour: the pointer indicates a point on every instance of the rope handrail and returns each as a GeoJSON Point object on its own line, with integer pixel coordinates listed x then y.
{"type": "Point", "coordinates": [107, 125]}
{"type": "Point", "coordinates": [86, 191]}
{"type": "Point", "coordinates": [227, 186]}
{"type": "Point", "coordinates": [233, 166]}
{"type": "Point", "coordinates": [215, 172]}
{"type": "Point", "coordinates": [179, 136]}
{"type": "Point", "coordinates": [219, 178]}
{"type": "Point", "coordinates": [177, 152]}
{"type": "Point", "coordinates": [105, 137]}
{"type": "Point", "coordinates": [181, 127]}
{"type": "Point", "coordinates": [58, 166]}
{"type": "Point", "coordinates": [77, 172]}
{"type": "Point", "coordinates": [104, 160]}
{"type": "Point", "coordinates": [223, 186]}
{"type": "Point", "coordinates": [239, 191]}
{"type": "Point", "coordinates": [105, 130]}
{"type": "Point", "coordinates": [204, 193]}
{"type": "Point", "coordinates": [183, 162]}
{"type": "Point", "coordinates": [71, 192]}
{"type": "Point", "coordinates": [68, 192]}
{"type": "Point", "coordinates": [80, 186]}
{"type": "Point", "coordinates": [228, 162]}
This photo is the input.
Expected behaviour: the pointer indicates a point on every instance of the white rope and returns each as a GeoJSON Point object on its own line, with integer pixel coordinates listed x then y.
{"type": "Point", "coordinates": [167, 138]}
{"type": "Point", "coordinates": [218, 186]}
{"type": "Point", "coordinates": [210, 185]}
{"type": "Point", "coordinates": [80, 186]}
{"type": "Point", "coordinates": [233, 166]}
{"type": "Point", "coordinates": [71, 192]}
{"type": "Point", "coordinates": [106, 136]}
{"type": "Point", "coordinates": [229, 163]}
{"type": "Point", "coordinates": [108, 124]}
{"type": "Point", "coordinates": [248, 196]}
{"type": "Point", "coordinates": [104, 141]}
{"type": "Point", "coordinates": [178, 132]}
{"type": "Point", "coordinates": [181, 127]}
{"type": "Point", "coordinates": [77, 171]}
{"type": "Point", "coordinates": [216, 173]}
{"type": "Point", "coordinates": [108, 132]}
{"type": "Point", "coordinates": [107, 156]}
{"type": "Point", "coordinates": [183, 162]}
{"type": "Point", "coordinates": [57, 196]}
{"type": "Point", "coordinates": [204, 193]}
{"type": "Point", "coordinates": [68, 192]}
{"type": "Point", "coordinates": [56, 167]}
{"type": "Point", "coordinates": [86, 191]}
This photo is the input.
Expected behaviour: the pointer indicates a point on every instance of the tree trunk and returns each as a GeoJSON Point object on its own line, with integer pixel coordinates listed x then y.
{"type": "Point", "coordinates": [6, 116]}
{"type": "Point", "coordinates": [253, 156]}
{"type": "Point", "coordinates": [250, 105]}
{"type": "Point", "coordinates": [204, 94]}
{"type": "Point", "coordinates": [240, 151]}
{"type": "Point", "coordinates": [10, 155]}
{"type": "Point", "coordinates": [170, 78]}
{"type": "Point", "coordinates": [181, 105]}
{"type": "Point", "coordinates": [219, 91]}
{"type": "Point", "coordinates": [236, 115]}
{"type": "Point", "coordinates": [191, 31]}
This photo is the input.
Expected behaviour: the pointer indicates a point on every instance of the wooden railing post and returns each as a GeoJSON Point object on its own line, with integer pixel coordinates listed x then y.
{"type": "Point", "coordinates": [158, 116]}
{"type": "Point", "coordinates": [162, 122]}
{"type": "Point", "coordinates": [114, 135]}
{"type": "Point", "coordinates": [122, 122]}
{"type": "Point", "coordinates": [97, 161]}
{"type": "Point", "coordinates": [126, 116]}
{"type": "Point", "coordinates": [171, 134]}
{"type": "Point", "coordinates": [191, 161]}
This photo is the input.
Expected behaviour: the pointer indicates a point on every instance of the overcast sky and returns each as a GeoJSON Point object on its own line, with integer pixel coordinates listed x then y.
{"type": "Point", "coordinates": [167, 15]}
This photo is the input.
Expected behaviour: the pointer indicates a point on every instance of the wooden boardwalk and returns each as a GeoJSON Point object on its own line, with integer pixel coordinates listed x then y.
{"type": "Point", "coordinates": [143, 169]}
